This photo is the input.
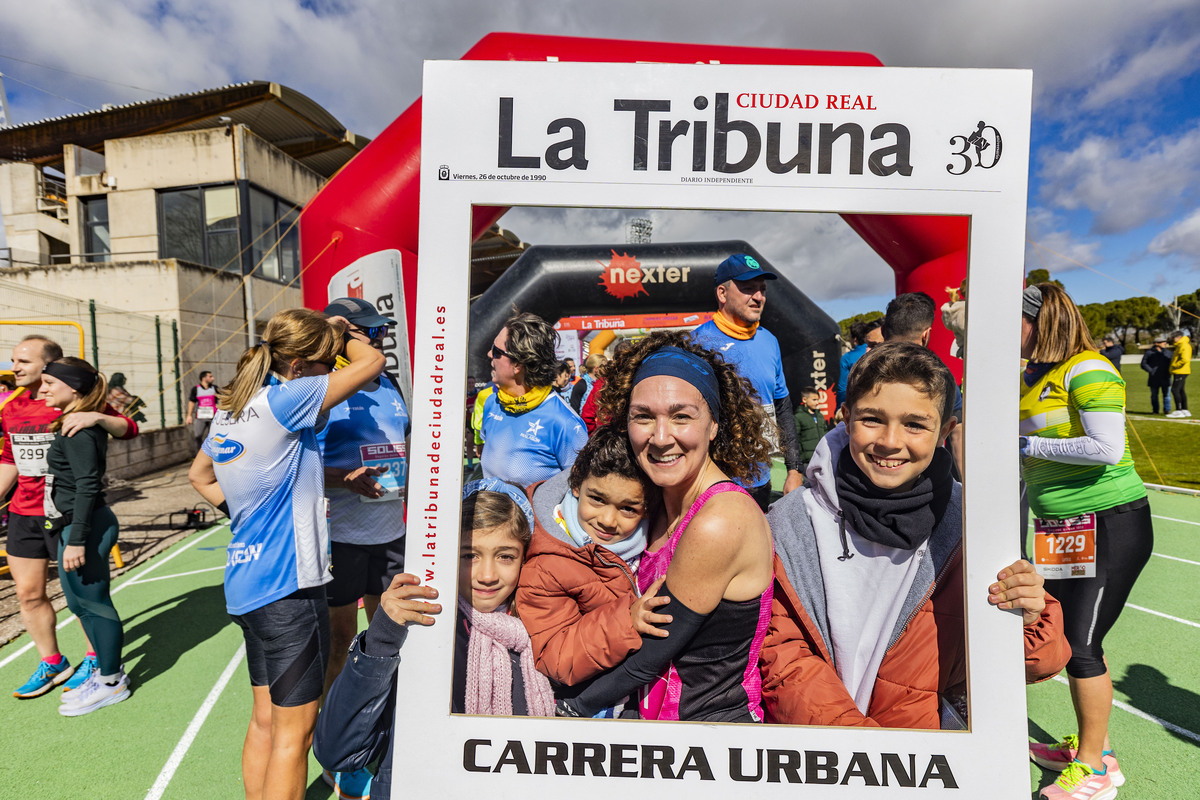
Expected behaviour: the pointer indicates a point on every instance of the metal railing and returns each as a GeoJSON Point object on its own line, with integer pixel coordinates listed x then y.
{"type": "Point", "coordinates": [142, 348]}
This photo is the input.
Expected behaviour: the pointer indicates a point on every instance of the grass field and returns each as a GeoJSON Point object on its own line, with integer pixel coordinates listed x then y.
{"type": "Point", "coordinates": [179, 736]}
{"type": "Point", "coordinates": [1164, 450]}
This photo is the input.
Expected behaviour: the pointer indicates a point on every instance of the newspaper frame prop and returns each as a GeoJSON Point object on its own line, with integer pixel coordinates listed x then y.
{"type": "Point", "coordinates": [558, 134]}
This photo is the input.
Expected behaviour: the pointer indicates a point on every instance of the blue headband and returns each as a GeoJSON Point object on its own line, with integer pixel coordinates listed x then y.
{"type": "Point", "coordinates": [504, 488]}
{"type": "Point", "coordinates": [675, 362]}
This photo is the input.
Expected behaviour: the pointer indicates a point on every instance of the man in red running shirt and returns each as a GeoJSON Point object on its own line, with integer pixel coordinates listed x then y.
{"type": "Point", "coordinates": [26, 424]}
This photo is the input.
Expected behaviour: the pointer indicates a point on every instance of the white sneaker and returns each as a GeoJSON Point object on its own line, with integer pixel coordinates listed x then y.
{"type": "Point", "coordinates": [1186, 414]}
{"type": "Point", "coordinates": [1175, 415]}
{"type": "Point", "coordinates": [67, 696]}
{"type": "Point", "coordinates": [93, 694]}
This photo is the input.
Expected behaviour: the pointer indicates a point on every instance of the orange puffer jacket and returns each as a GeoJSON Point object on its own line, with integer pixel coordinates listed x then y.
{"type": "Point", "coordinates": [801, 686]}
{"type": "Point", "coordinates": [574, 601]}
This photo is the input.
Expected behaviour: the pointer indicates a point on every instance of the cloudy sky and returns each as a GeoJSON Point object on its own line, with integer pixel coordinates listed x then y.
{"type": "Point", "coordinates": [1115, 166]}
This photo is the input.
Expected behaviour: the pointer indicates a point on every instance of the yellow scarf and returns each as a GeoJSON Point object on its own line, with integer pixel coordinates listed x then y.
{"type": "Point", "coordinates": [526, 402]}
{"type": "Point", "coordinates": [734, 329]}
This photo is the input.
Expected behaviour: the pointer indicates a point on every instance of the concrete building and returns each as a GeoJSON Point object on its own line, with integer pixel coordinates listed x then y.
{"type": "Point", "coordinates": [183, 208]}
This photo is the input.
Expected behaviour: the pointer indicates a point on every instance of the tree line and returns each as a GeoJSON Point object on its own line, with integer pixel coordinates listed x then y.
{"type": "Point", "coordinates": [1134, 319]}
{"type": "Point", "coordinates": [1129, 321]}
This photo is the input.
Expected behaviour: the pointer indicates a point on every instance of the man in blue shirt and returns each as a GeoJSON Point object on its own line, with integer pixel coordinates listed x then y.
{"type": "Point", "coordinates": [862, 336]}
{"type": "Point", "coordinates": [364, 445]}
{"type": "Point", "coordinates": [735, 333]}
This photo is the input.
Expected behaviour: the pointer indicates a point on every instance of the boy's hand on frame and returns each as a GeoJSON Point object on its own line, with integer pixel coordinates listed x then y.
{"type": "Point", "coordinates": [401, 603]}
{"type": "Point", "coordinates": [1019, 586]}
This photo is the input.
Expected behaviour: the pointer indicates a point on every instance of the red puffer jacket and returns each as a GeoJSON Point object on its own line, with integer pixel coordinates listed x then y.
{"type": "Point", "coordinates": [574, 601]}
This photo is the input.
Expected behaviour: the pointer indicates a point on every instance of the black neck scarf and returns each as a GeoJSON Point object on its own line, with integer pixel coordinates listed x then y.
{"type": "Point", "coordinates": [1034, 370]}
{"type": "Point", "coordinates": [903, 520]}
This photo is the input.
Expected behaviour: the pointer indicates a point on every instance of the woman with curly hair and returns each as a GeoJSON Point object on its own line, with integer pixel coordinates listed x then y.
{"type": "Point", "coordinates": [529, 432]}
{"type": "Point", "coordinates": [694, 425]}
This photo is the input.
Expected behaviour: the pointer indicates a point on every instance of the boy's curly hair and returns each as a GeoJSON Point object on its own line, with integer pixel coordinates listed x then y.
{"type": "Point", "coordinates": [741, 443]}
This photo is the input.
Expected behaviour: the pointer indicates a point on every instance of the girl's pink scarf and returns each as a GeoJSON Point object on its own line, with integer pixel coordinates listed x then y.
{"type": "Point", "coordinates": [489, 668]}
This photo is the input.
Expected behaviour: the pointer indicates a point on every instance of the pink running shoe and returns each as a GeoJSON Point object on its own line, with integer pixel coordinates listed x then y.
{"type": "Point", "coordinates": [1078, 782]}
{"type": "Point", "coordinates": [1054, 756]}
{"type": "Point", "coordinates": [1114, 769]}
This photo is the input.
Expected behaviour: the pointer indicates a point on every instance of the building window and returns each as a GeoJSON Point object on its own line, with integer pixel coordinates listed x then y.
{"type": "Point", "coordinates": [200, 225]}
{"type": "Point", "coordinates": [97, 245]}
{"type": "Point", "coordinates": [271, 224]}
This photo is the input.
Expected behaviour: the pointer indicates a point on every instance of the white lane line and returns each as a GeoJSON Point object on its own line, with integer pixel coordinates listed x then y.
{"type": "Point", "coordinates": [1164, 616]}
{"type": "Point", "coordinates": [71, 617]}
{"type": "Point", "coordinates": [206, 569]}
{"type": "Point", "coordinates": [193, 728]}
{"type": "Point", "coordinates": [1137, 712]}
{"type": "Point", "coordinates": [1177, 558]}
{"type": "Point", "coordinates": [1172, 519]}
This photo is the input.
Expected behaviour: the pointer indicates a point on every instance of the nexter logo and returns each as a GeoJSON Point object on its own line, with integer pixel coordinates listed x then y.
{"type": "Point", "coordinates": [225, 449]}
{"type": "Point", "coordinates": [625, 276]}
{"type": "Point", "coordinates": [244, 555]}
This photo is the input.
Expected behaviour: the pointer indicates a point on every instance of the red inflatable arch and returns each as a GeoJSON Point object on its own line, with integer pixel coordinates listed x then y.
{"type": "Point", "coordinates": [371, 205]}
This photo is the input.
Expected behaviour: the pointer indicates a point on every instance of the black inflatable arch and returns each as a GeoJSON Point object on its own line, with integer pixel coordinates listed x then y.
{"type": "Point", "coordinates": [566, 281]}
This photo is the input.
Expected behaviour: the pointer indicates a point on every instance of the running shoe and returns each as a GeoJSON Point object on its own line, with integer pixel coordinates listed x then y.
{"type": "Point", "coordinates": [1058, 756]}
{"type": "Point", "coordinates": [353, 785]}
{"type": "Point", "coordinates": [1079, 782]}
{"type": "Point", "coordinates": [43, 679]}
{"type": "Point", "coordinates": [1055, 756]}
{"type": "Point", "coordinates": [82, 673]}
{"type": "Point", "coordinates": [94, 694]}
{"type": "Point", "coordinates": [1175, 414]}
{"type": "Point", "coordinates": [1114, 769]}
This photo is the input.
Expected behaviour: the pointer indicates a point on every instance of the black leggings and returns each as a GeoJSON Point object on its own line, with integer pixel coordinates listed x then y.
{"type": "Point", "coordinates": [1179, 392]}
{"type": "Point", "coordinates": [87, 590]}
{"type": "Point", "coordinates": [1090, 606]}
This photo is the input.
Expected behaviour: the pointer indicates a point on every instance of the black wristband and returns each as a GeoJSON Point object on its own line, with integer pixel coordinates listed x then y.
{"type": "Point", "coordinates": [223, 507]}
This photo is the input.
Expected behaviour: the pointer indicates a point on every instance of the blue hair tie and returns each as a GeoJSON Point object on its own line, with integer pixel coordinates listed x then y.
{"type": "Point", "coordinates": [505, 488]}
{"type": "Point", "coordinates": [675, 362]}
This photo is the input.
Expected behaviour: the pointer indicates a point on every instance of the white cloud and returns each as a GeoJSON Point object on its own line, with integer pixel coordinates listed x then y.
{"type": "Point", "coordinates": [1182, 238]}
{"type": "Point", "coordinates": [1049, 245]}
{"type": "Point", "coordinates": [1123, 187]}
{"type": "Point", "coordinates": [1141, 74]}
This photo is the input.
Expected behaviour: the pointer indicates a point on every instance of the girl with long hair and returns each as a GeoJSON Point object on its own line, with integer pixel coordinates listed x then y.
{"type": "Point", "coordinates": [75, 476]}
{"type": "Point", "coordinates": [494, 672]}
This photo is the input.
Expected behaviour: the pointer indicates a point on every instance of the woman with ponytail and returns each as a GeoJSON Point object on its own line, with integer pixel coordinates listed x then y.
{"type": "Point", "coordinates": [262, 459]}
{"type": "Point", "coordinates": [88, 528]}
